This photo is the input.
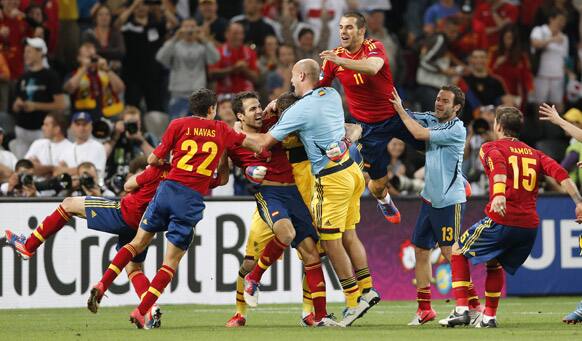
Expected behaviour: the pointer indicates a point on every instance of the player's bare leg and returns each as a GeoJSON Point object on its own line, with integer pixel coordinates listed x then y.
{"type": "Point", "coordinates": [359, 259]}
{"type": "Point", "coordinates": [142, 316]}
{"type": "Point", "coordinates": [53, 223]}
{"type": "Point", "coordinates": [316, 282]}
{"type": "Point", "coordinates": [385, 203]}
{"type": "Point", "coordinates": [284, 235]}
{"type": "Point", "coordinates": [422, 272]}
{"type": "Point", "coordinates": [123, 257]}
{"type": "Point", "coordinates": [239, 319]}
{"type": "Point", "coordinates": [343, 267]}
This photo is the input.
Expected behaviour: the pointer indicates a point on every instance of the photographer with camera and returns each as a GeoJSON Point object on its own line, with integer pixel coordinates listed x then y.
{"type": "Point", "coordinates": [127, 142]}
{"type": "Point", "coordinates": [21, 182]}
{"type": "Point", "coordinates": [88, 182]}
{"type": "Point", "coordinates": [94, 87]}
{"type": "Point", "coordinates": [187, 55]}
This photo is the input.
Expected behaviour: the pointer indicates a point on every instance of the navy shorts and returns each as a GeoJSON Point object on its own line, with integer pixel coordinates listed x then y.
{"type": "Point", "coordinates": [487, 240]}
{"type": "Point", "coordinates": [374, 140]}
{"type": "Point", "coordinates": [280, 202]}
{"type": "Point", "coordinates": [356, 154]}
{"type": "Point", "coordinates": [175, 208]}
{"type": "Point", "coordinates": [105, 216]}
{"type": "Point", "coordinates": [438, 225]}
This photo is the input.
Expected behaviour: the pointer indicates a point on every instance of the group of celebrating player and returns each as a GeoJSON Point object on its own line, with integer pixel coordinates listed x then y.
{"type": "Point", "coordinates": [304, 156]}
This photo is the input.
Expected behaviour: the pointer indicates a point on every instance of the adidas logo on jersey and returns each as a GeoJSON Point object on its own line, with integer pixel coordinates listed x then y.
{"type": "Point", "coordinates": [145, 221]}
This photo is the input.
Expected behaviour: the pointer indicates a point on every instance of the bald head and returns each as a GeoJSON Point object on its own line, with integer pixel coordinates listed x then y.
{"type": "Point", "coordinates": [305, 76]}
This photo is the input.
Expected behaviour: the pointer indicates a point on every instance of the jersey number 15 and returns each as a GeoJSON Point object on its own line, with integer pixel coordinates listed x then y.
{"type": "Point", "coordinates": [528, 174]}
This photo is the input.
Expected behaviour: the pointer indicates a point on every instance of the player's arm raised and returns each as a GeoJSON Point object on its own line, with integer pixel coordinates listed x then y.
{"type": "Point", "coordinates": [548, 113]}
{"type": "Point", "coordinates": [368, 66]}
{"type": "Point", "coordinates": [418, 131]}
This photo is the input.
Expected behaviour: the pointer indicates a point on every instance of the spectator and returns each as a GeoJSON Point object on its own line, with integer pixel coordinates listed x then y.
{"type": "Point", "coordinates": [69, 34]}
{"type": "Point", "coordinates": [89, 182]}
{"type": "Point", "coordinates": [434, 15]}
{"type": "Point", "coordinates": [187, 55]}
{"type": "Point", "coordinates": [35, 19]}
{"type": "Point", "coordinates": [480, 131]}
{"type": "Point", "coordinates": [574, 151]}
{"type": "Point", "coordinates": [38, 92]}
{"type": "Point", "coordinates": [7, 160]}
{"type": "Point", "coordinates": [12, 34]}
{"type": "Point", "coordinates": [377, 30]}
{"type": "Point", "coordinates": [255, 25]}
{"type": "Point", "coordinates": [107, 39]}
{"type": "Point", "coordinates": [84, 149]}
{"type": "Point", "coordinates": [551, 47]}
{"type": "Point", "coordinates": [481, 87]}
{"type": "Point", "coordinates": [493, 15]}
{"type": "Point", "coordinates": [436, 69]}
{"type": "Point", "coordinates": [224, 111]}
{"type": "Point", "coordinates": [128, 141]}
{"type": "Point", "coordinates": [508, 61]}
{"type": "Point", "coordinates": [469, 36]}
{"type": "Point", "coordinates": [301, 35]}
{"type": "Point", "coordinates": [571, 27]}
{"type": "Point", "coordinates": [44, 153]}
{"type": "Point", "coordinates": [20, 183]}
{"type": "Point", "coordinates": [94, 87]}
{"type": "Point", "coordinates": [236, 70]}
{"type": "Point", "coordinates": [50, 19]}
{"type": "Point", "coordinates": [396, 167]}
{"type": "Point", "coordinates": [311, 13]}
{"type": "Point", "coordinates": [278, 80]}
{"type": "Point", "coordinates": [143, 33]}
{"type": "Point", "coordinates": [214, 25]}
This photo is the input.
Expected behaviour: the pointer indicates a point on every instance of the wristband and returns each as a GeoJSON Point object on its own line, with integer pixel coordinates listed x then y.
{"type": "Point", "coordinates": [499, 188]}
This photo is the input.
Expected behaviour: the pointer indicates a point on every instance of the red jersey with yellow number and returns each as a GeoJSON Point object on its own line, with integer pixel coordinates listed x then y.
{"type": "Point", "coordinates": [278, 167]}
{"type": "Point", "coordinates": [524, 167]}
{"type": "Point", "coordinates": [368, 96]}
{"type": "Point", "coordinates": [197, 145]}
{"type": "Point", "coordinates": [135, 203]}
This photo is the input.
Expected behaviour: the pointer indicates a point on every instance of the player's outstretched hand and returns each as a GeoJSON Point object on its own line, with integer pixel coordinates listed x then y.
{"type": "Point", "coordinates": [579, 213]}
{"type": "Point", "coordinates": [329, 55]}
{"type": "Point", "coordinates": [549, 113]}
{"type": "Point", "coordinates": [270, 109]}
{"type": "Point", "coordinates": [498, 205]}
{"type": "Point", "coordinates": [397, 102]}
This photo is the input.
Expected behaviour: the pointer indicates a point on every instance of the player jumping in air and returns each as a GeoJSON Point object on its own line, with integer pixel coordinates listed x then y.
{"type": "Point", "coordinates": [443, 196]}
{"type": "Point", "coordinates": [197, 143]}
{"type": "Point", "coordinates": [362, 67]}
{"type": "Point", "coordinates": [120, 218]}
{"type": "Point", "coordinates": [505, 237]}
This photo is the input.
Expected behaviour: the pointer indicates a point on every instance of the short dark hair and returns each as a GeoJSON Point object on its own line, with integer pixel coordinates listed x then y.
{"type": "Point", "coordinates": [86, 164]}
{"type": "Point", "coordinates": [554, 12]}
{"type": "Point", "coordinates": [60, 121]}
{"type": "Point", "coordinates": [360, 18]}
{"type": "Point", "coordinates": [201, 101]}
{"type": "Point", "coordinates": [23, 163]}
{"type": "Point", "coordinates": [510, 119]}
{"type": "Point", "coordinates": [139, 162]}
{"type": "Point", "coordinates": [459, 96]}
{"type": "Point", "coordinates": [305, 31]}
{"type": "Point", "coordinates": [237, 102]}
{"type": "Point", "coordinates": [285, 100]}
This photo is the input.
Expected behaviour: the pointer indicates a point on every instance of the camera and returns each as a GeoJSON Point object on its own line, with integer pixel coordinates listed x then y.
{"type": "Point", "coordinates": [116, 183]}
{"type": "Point", "coordinates": [101, 129]}
{"type": "Point", "coordinates": [402, 184]}
{"type": "Point", "coordinates": [86, 180]}
{"type": "Point", "coordinates": [131, 127]}
{"type": "Point", "coordinates": [480, 126]}
{"type": "Point", "coordinates": [25, 179]}
{"type": "Point", "coordinates": [59, 183]}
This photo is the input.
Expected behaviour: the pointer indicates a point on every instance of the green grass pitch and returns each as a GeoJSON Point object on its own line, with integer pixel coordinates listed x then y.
{"type": "Point", "coordinates": [519, 318]}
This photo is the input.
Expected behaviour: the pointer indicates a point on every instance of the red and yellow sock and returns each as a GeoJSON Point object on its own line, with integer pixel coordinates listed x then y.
{"type": "Point", "coordinates": [461, 279]}
{"type": "Point", "coordinates": [473, 297]}
{"type": "Point", "coordinates": [364, 280]}
{"type": "Point", "coordinates": [272, 252]}
{"type": "Point", "coordinates": [140, 282]}
{"type": "Point", "coordinates": [423, 298]}
{"type": "Point", "coordinates": [307, 301]}
{"type": "Point", "coordinates": [241, 306]}
{"type": "Point", "coordinates": [493, 287]}
{"type": "Point", "coordinates": [121, 259]}
{"type": "Point", "coordinates": [351, 291]}
{"type": "Point", "coordinates": [159, 283]}
{"type": "Point", "coordinates": [316, 283]}
{"type": "Point", "coordinates": [49, 226]}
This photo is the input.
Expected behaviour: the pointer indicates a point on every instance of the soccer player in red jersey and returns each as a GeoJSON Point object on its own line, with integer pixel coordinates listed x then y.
{"type": "Point", "coordinates": [197, 143]}
{"type": "Point", "coordinates": [362, 67]}
{"type": "Point", "coordinates": [505, 237]}
{"type": "Point", "coordinates": [121, 218]}
{"type": "Point", "coordinates": [281, 206]}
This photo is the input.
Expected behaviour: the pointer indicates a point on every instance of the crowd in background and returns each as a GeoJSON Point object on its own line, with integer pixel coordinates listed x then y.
{"type": "Point", "coordinates": [87, 87]}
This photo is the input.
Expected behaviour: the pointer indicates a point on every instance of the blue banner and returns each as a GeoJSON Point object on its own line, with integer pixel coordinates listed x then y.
{"type": "Point", "coordinates": [555, 264]}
